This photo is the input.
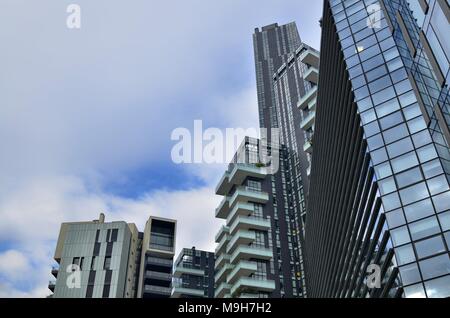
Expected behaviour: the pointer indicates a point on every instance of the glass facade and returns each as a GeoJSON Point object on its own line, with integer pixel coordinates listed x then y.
{"type": "Point", "coordinates": [398, 92]}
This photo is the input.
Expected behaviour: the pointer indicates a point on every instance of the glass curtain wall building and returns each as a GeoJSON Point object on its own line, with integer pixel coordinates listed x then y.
{"type": "Point", "coordinates": [380, 174]}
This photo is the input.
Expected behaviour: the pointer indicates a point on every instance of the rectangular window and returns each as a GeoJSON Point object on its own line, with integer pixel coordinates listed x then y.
{"type": "Point", "coordinates": [107, 264]}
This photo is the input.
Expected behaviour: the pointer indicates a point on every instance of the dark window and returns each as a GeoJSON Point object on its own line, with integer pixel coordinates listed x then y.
{"type": "Point", "coordinates": [107, 264]}
{"type": "Point", "coordinates": [97, 249]}
{"type": "Point", "coordinates": [114, 235]}
{"type": "Point", "coordinates": [109, 248]}
{"type": "Point", "coordinates": [106, 291]}
{"type": "Point", "coordinates": [108, 236]}
{"type": "Point", "coordinates": [91, 280]}
{"type": "Point", "coordinates": [89, 291]}
{"type": "Point", "coordinates": [108, 277]}
{"type": "Point", "coordinates": [97, 236]}
{"type": "Point", "coordinates": [78, 261]}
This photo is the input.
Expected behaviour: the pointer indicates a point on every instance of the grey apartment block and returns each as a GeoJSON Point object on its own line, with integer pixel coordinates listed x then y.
{"type": "Point", "coordinates": [379, 192]}
{"type": "Point", "coordinates": [157, 253]}
{"type": "Point", "coordinates": [101, 252]}
{"type": "Point", "coordinates": [114, 260]}
{"type": "Point", "coordinates": [193, 274]}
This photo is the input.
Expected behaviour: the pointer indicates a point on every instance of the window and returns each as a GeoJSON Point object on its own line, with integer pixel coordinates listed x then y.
{"type": "Point", "coordinates": [438, 184]}
{"type": "Point", "coordinates": [415, 291]}
{"type": "Point", "coordinates": [400, 147]}
{"type": "Point", "coordinates": [442, 202]}
{"type": "Point", "coordinates": [114, 235]}
{"type": "Point", "coordinates": [404, 162]}
{"type": "Point", "coordinates": [387, 185]}
{"type": "Point", "coordinates": [395, 133]}
{"type": "Point", "coordinates": [78, 261]}
{"type": "Point", "coordinates": [434, 267]}
{"type": "Point", "coordinates": [383, 170]}
{"type": "Point", "coordinates": [414, 193]}
{"type": "Point", "coordinates": [409, 177]}
{"type": "Point", "coordinates": [438, 288]}
{"type": "Point", "coordinates": [419, 210]}
{"type": "Point", "coordinates": [391, 120]}
{"type": "Point", "coordinates": [444, 218]}
{"type": "Point", "coordinates": [424, 228]}
{"type": "Point", "coordinates": [379, 156]}
{"type": "Point", "coordinates": [107, 264]}
{"type": "Point", "coordinates": [422, 138]}
{"type": "Point", "coordinates": [405, 254]}
{"type": "Point", "coordinates": [400, 236]}
{"type": "Point", "coordinates": [106, 291]}
{"type": "Point", "coordinates": [430, 247]}
{"type": "Point", "coordinates": [97, 236]}
{"type": "Point", "coordinates": [432, 169]}
{"type": "Point", "coordinates": [395, 218]}
{"type": "Point", "coordinates": [388, 107]}
{"type": "Point", "coordinates": [410, 274]}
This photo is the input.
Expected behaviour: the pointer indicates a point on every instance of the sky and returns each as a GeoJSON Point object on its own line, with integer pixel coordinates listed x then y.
{"type": "Point", "coordinates": [86, 115]}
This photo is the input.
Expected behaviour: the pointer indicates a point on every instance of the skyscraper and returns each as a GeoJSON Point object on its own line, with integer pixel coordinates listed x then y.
{"type": "Point", "coordinates": [193, 274]}
{"type": "Point", "coordinates": [379, 195]}
{"type": "Point", "coordinates": [286, 75]}
{"type": "Point", "coordinates": [114, 260]}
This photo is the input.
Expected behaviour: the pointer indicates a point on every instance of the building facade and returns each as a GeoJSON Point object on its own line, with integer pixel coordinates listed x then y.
{"type": "Point", "coordinates": [93, 260]}
{"type": "Point", "coordinates": [193, 274]}
{"type": "Point", "coordinates": [114, 260]}
{"type": "Point", "coordinates": [245, 252]}
{"type": "Point", "coordinates": [286, 74]}
{"type": "Point", "coordinates": [379, 194]}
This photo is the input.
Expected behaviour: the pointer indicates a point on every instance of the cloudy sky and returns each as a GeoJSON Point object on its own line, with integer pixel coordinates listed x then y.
{"type": "Point", "coordinates": [86, 115]}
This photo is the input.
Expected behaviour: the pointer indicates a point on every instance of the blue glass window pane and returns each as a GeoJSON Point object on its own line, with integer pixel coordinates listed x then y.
{"type": "Point", "coordinates": [437, 266]}
{"type": "Point", "coordinates": [432, 246]}
{"type": "Point", "coordinates": [414, 193]}
{"type": "Point", "coordinates": [419, 210]}
{"type": "Point", "coordinates": [424, 228]}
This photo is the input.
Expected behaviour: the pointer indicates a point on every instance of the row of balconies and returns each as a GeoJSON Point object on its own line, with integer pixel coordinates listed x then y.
{"type": "Point", "coordinates": [237, 176]}
{"type": "Point", "coordinates": [241, 195]}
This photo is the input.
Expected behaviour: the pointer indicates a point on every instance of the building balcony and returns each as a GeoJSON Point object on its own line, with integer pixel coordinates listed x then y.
{"type": "Point", "coordinates": [307, 147]}
{"type": "Point", "coordinates": [310, 57]}
{"type": "Point", "coordinates": [224, 186]}
{"type": "Point", "coordinates": [308, 121]}
{"type": "Point", "coordinates": [248, 283]}
{"type": "Point", "coordinates": [242, 269]}
{"type": "Point", "coordinates": [159, 290]}
{"type": "Point", "coordinates": [224, 230]}
{"type": "Point", "coordinates": [241, 237]}
{"type": "Point", "coordinates": [242, 171]}
{"type": "Point", "coordinates": [158, 275]}
{"type": "Point", "coordinates": [246, 195]}
{"type": "Point", "coordinates": [221, 261]}
{"type": "Point", "coordinates": [159, 261]}
{"type": "Point", "coordinates": [178, 292]}
{"type": "Point", "coordinates": [55, 271]}
{"type": "Point", "coordinates": [247, 223]}
{"type": "Point", "coordinates": [312, 75]}
{"type": "Point", "coordinates": [183, 269]}
{"type": "Point", "coordinates": [240, 209]}
{"type": "Point", "coordinates": [250, 252]}
{"type": "Point", "coordinates": [303, 103]}
{"type": "Point", "coordinates": [222, 245]}
{"type": "Point", "coordinates": [222, 290]}
{"type": "Point", "coordinates": [223, 209]}
{"type": "Point", "coordinates": [312, 104]}
{"type": "Point", "coordinates": [51, 285]}
{"type": "Point", "coordinates": [222, 274]}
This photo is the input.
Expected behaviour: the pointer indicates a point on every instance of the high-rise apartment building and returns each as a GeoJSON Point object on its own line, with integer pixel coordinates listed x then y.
{"type": "Point", "coordinates": [114, 260]}
{"type": "Point", "coordinates": [193, 274]}
{"type": "Point", "coordinates": [245, 253]}
{"type": "Point", "coordinates": [286, 75]}
{"type": "Point", "coordinates": [379, 198]}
